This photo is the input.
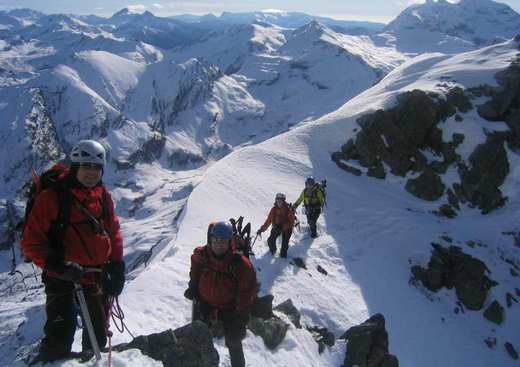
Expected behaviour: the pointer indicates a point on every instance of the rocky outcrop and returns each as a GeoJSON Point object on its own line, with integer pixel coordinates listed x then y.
{"type": "Point", "coordinates": [322, 336]}
{"type": "Point", "coordinates": [292, 312]}
{"type": "Point", "coordinates": [367, 345]}
{"type": "Point", "coordinates": [451, 268]}
{"type": "Point", "coordinates": [495, 313]}
{"type": "Point", "coordinates": [489, 169]}
{"type": "Point", "coordinates": [271, 330]}
{"type": "Point", "coordinates": [188, 346]}
{"type": "Point", "coordinates": [408, 138]}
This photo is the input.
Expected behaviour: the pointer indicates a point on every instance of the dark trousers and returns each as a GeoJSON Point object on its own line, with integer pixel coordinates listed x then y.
{"type": "Point", "coordinates": [234, 330]}
{"type": "Point", "coordinates": [313, 213]}
{"type": "Point", "coordinates": [61, 309]}
{"type": "Point", "coordinates": [271, 241]}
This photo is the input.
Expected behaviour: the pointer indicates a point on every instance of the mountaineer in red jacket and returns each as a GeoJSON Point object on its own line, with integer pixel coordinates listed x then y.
{"type": "Point", "coordinates": [89, 237]}
{"type": "Point", "coordinates": [281, 217]}
{"type": "Point", "coordinates": [223, 284]}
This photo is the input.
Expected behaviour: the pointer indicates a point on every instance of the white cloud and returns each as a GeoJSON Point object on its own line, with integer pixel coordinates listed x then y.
{"type": "Point", "coordinates": [158, 6]}
{"type": "Point", "coordinates": [136, 8]}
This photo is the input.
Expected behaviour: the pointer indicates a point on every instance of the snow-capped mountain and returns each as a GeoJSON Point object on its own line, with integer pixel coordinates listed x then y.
{"type": "Point", "coordinates": [214, 127]}
{"type": "Point", "coordinates": [146, 27]}
{"type": "Point", "coordinates": [282, 19]}
{"type": "Point", "coordinates": [439, 25]}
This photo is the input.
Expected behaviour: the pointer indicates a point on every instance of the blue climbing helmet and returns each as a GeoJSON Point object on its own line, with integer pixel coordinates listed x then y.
{"type": "Point", "coordinates": [222, 230]}
{"type": "Point", "coordinates": [309, 181]}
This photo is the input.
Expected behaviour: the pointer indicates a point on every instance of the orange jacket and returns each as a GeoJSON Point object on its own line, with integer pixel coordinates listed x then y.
{"type": "Point", "coordinates": [280, 216]}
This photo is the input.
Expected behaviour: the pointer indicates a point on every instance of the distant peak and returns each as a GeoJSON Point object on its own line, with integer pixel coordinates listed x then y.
{"type": "Point", "coordinates": [122, 12]}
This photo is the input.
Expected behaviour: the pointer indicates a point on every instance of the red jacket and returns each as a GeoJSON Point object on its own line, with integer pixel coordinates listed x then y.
{"type": "Point", "coordinates": [283, 217]}
{"type": "Point", "coordinates": [228, 283]}
{"type": "Point", "coordinates": [81, 243]}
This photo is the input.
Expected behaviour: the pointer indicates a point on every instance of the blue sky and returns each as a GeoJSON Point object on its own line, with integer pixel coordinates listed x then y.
{"type": "Point", "coordinates": [375, 10]}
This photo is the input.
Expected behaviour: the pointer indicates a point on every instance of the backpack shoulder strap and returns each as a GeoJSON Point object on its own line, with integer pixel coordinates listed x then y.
{"type": "Point", "coordinates": [59, 226]}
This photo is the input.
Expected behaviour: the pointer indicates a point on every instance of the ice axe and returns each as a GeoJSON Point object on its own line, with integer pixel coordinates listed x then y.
{"type": "Point", "coordinates": [86, 315]}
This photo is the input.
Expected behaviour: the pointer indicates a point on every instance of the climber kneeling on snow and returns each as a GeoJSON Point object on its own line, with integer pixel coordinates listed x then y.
{"type": "Point", "coordinates": [313, 199]}
{"type": "Point", "coordinates": [223, 285]}
{"type": "Point", "coordinates": [71, 227]}
{"type": "Point", "coordinates": [281, 217]}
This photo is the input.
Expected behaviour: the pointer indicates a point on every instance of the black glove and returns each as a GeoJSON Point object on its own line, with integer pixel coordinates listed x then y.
{"type": "Point", "coordinates": [259, 232]}
{"type": "Point", "coordinates": [114, 278]}
{"type": "Point", "coordinates": [192, 292]}
{"type": "Point", "coordinates": [71, 272]}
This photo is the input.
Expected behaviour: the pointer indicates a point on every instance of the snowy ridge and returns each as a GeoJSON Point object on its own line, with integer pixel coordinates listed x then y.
{"type": "Point", "coordinates": [453, 27]}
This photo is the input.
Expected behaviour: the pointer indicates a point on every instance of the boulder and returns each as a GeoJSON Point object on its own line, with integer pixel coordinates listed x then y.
{"type": "Point", "coordinates": [323, 337]}
{"type": "Point", "coordinates": [272, 330]}
{"type": "Point", "coordinates": [263, 307]}
{"type": "Point", "coordinates": [428, 186]}
{"type": "Point", "coordinates": [292, 312]}
{"type": "Point", "coordinates": [452, 268]}
{"type": "Point", "coordinates": [495, 313]}
{"type": "Point", "coordinates": [489, 168]}
{"type": "Point", "coordinates": [367, 345]}
{"type": "Point", "coordinates": [188, 346]}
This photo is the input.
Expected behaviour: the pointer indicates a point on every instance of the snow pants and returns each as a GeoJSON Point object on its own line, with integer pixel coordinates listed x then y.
{"type": "Point", "coordinates": [276, 231]}
{"type": "Point", "coordinates": [234, 330]}
{"type": "Point", "coordinates": [61, 309]}
{"type": "Point", "coordinates": [313, 213]}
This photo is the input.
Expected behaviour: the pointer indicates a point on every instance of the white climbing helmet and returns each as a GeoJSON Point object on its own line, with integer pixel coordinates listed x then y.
{"type": "Point", "coordinates": [280, 196]}
{"type": "Point", "coordinates": [88, 151]}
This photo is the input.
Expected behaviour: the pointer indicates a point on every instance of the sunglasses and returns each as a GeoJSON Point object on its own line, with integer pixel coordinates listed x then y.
{"type": "Point", "coordinates": [91, 166]}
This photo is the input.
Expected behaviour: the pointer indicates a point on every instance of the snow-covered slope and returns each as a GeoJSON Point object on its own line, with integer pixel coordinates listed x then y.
{"type": "Point", "coordinates": [452, 26]}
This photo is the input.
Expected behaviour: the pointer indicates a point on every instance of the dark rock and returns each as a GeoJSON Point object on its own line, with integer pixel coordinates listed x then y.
{"type": "Point", "coordinates": [458, 118]}
{"type": "Point", "coordinates": [447, 211]}
{"type": "Point", "coordinates": [367, 344]}
{"type": "Point", "coordinates": [490, 167]}
{"type": "Point", "coordinates": [510, 299]}
{"type": "Point", "coordinates": [491, 342]}
{"type": "Point", "coordinates": [428, 186]}
{"type": "Point", "coordinates": [263, 307]}
{"type": "Point", "coordinates": [453, 200]}
{"type": "Point", "coordinates": [446, 238]}
{"type": "Point", "coordinates": [150, 151]}
{"type": "Point", "coordinates": [182, 158]}
{"type": "Point", "coordinates": [457, 188]}
{"type": "Point", "coordinates": [513, 272]}
{"type": "Point", "coordinates": [495, 313]}
{"type": "Point", "coordinates": [458, 98]}
{"type": "Point", "coordinates": [321, 270]}
{"type": "Point", "coordinates": [188, 346]}
{"type": "Point", "coordinates": [511, 350]}
{"type": "Point", "coordinates": [349, 150]}
{"type": "Point", "coordinates": [457, 139]}
{"type": "Point", "coordinates": [377, 171]}
{"type": "Point", "coordinates": [292, 312]}
{"type": "Point", "coordinates": [450, 267]}
{"type": "Point", "coordinates": [298, 261]}
{"type": "Point", "coordinates": [323, 337]}
{"type": "Point", "coordinates": [338, 159]}
{"type": "Point", "coordinates": [272, 330]}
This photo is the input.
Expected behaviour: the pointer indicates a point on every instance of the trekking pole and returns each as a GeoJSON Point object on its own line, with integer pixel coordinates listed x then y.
{"type": "Point", "coordinates": [257, 235]}
{"type": "Point", "coordinates": [86, 315]}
